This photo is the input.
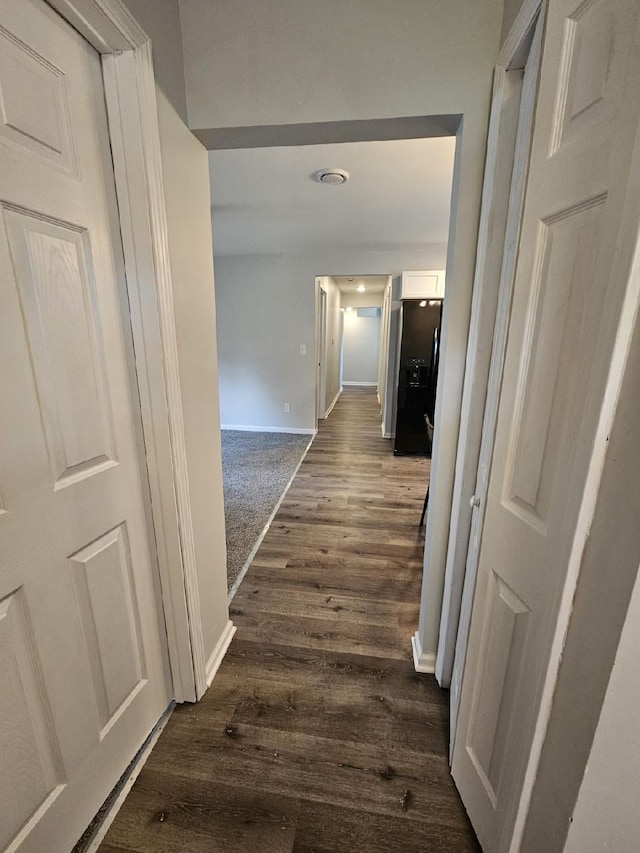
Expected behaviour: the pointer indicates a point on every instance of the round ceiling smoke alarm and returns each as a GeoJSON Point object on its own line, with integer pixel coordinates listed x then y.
{"type": "Point", "coordinates": [332, 176]}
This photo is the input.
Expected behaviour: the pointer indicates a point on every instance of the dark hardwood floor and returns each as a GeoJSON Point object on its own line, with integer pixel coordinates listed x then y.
{"type": "Point", "coordinates": [317, 735]}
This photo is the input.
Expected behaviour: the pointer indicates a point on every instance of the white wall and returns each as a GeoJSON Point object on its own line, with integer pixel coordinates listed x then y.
{"type": "Point", "coordinates": [266, 309]}
{"type": "Point", "coordinates": [360, 349]}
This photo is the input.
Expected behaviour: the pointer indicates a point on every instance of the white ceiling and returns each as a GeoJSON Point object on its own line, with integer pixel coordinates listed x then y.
{"type": "Point", "coordinates": [349, 284]}
{"type": "Point", "coordinates": [265, 201]}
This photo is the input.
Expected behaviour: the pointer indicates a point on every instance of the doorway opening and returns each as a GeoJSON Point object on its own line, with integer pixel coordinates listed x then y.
{"type": "Point", "coordinates": [275, 227]}
{"type": "Point", "coordinates": [351, 336]}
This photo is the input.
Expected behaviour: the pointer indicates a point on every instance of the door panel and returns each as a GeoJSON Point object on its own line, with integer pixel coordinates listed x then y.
{"type": "Point", "coordinates": [32, 774]}
{"type": "Point", "coordinates": [51, 263]}
{"type": "Point", "coordinates": [82, 648]}
{"type": "Point", "coordinates": [564, 312]}
{"type": "Point", "coordinates": [504, 632]}
{"type": "Point", "coordinates": [565, 306]}
{"type": "Point", "coordinates": [105, 597]}
{"type": "Point", "coordinates": [35, 109]}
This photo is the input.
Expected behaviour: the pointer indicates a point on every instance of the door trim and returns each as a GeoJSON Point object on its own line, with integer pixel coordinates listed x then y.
{"type": "Point", "coordinates": [322, 296]}
{"type": "Point", "coordinates": [487, 337]}
{"type": "Point", "coordinates": [384, 349]}
{"type": "Point", "coordinates": [135, 142]}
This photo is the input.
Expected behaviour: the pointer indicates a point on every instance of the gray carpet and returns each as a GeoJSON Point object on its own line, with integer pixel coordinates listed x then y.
{"type": "Point", "coordinates": [256, 467]}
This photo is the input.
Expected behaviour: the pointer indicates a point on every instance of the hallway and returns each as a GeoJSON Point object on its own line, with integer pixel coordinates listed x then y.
{"type": "Point", "coordinates": [317, 735]}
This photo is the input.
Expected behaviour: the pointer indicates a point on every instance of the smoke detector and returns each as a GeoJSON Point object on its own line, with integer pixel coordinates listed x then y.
{"type": "Point", "coordinates": [332, 176]}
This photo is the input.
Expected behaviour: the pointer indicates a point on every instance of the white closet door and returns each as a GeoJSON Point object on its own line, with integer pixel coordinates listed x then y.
{"type": "Point", "coordinates": [83, 673]}
{"type": "Point", "coordinates": [565, 307]}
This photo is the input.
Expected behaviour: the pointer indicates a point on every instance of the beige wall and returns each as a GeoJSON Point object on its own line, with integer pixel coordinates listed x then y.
{"type": "Point", "coordinates": [266, 309]}
{"type": "Point", "coordinates": [293, 61]}
{"type": "Point", "coordinates": [160, 19]}
{"type": "Point", "coordinates": [360, 349]}
{"type": "Point", "coordinates": [185, 168]}
{"type": "Point", "coordinates": [186, 184]}
{"type": "Point", "coordinates": [364, 300]}
{"type": "Point", "coordinates": [509, 14]}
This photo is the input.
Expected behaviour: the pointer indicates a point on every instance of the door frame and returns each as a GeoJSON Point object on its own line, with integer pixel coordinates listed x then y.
{"type": "Point", "coordinates": [505, 176]}
{"type": "Point", "coordinates": [130, 92]}
{"type": "Point", "coordinates": [383, 361]}
{"type": "Point", "coordinates": [321, 351]}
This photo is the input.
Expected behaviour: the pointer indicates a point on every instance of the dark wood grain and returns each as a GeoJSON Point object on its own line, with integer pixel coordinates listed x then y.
{"type": "Point", "coordinates": [327, 829]}
{"type": "Point", "coordinates": [189, 814]}
{"type": "Point", "coordinates": [317, 735]}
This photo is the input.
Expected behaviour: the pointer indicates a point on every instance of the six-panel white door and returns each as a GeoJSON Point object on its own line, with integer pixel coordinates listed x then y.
{"type": "Point", "coordinates": [566, 304]}
{"type": "Point", "coordinates": [83, 666]}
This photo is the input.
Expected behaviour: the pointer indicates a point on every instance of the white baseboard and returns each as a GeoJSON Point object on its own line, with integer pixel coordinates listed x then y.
{"type": "Point", "coordinates": [385, 434]}
{"type": "Point", "coordinates": [134, 772]}
{"type": "Point", "coordinates": [219, 651]}
{"type": "Point", "coordinates": [251, 428]}
{"type": "Point", "coordinates": [335, 400]}
{"type": "Point", "coordinates": [422, 661]}
{"type": "Point", "coordinates": [360, 384]}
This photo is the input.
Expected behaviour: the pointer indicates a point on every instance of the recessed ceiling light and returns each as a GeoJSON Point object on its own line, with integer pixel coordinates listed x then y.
{"type": "Point", "coordinates": [349, 308]}
{"type": "Point", "coordinates": [423, 303]}
{"type": "Point", "coordinates": [332, 176]}
{"type": "Point", "coordinates": [361, 288]}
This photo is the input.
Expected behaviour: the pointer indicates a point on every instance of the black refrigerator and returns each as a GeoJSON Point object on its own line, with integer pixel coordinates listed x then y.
{"type": "Point", "coordinates": [417, 375]}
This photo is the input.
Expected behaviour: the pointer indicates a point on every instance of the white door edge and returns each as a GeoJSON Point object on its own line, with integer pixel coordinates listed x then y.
{"type": "Point", "coordinates": [494, 381]}
{"type": "Point", "coordinates": [460, 571]}
{"type": "Point", "coordinates": [133, 128]}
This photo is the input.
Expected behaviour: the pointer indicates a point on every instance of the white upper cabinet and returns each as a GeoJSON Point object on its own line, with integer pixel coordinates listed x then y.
{"type": "Point", "coordinates": [422, 284]}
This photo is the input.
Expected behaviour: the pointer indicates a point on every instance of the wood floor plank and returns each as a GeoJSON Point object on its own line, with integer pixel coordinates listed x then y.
{"type": "Point", "coordinates": [316, 768]}
{"type": "Point", "coordinates": [317, 735]}
{"type": "Point", "coordinates": [404, 586]}
{"type": "Point", "coordinates": [348, 564]}
{"type": "Point", "coordinates": [172, 813]}
{"type": "Point", "coordinates": [337, 635]}
{"type": "Point", "coordinates": [328, 670]}
{"type": "Point", "coordinates": [329, 829]}
{"type": "Point", "coordinates": [318, 605]}
{"type": "Point", "coordinates": [348, 717]}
